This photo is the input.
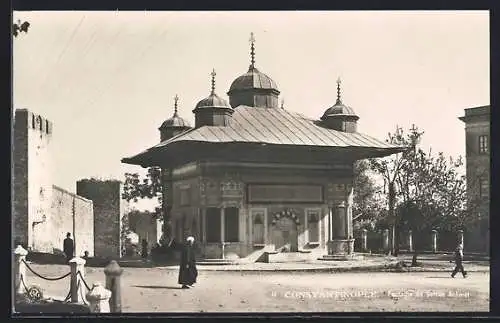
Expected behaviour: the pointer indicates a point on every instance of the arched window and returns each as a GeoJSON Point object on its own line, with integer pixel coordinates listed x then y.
{"type": "Point", "coordinates": [33, 122]}
{"type": "Point", "coordinates": [313, 225]}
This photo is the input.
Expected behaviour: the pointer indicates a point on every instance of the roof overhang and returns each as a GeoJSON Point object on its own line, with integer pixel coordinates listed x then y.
{"type": "Point", "coordinates": [181, 152]}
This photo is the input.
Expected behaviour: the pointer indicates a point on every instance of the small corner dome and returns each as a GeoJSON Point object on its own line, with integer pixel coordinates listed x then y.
{"type": "Point", "coordinates": [213, 101]}
{"type": "Point", "coordinates": [175, 122]}
{"type": "Point", "coordinates": [339, 109]}
{"type": "Point", "coordinates": [253, 79]}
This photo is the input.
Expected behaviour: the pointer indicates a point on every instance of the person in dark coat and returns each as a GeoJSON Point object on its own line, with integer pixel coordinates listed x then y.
{"type": "Point", "coordinates": [144, 251]}
{"type": "Point", "coordinates": [459, 257]}
{"type": "Point", "coordinates": [68, 247]}
{"type": "Point", "coordinates": [187, 271]}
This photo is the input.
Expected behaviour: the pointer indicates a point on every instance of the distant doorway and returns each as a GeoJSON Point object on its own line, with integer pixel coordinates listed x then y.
{"type": "Point", "coordinates": [285, 235]}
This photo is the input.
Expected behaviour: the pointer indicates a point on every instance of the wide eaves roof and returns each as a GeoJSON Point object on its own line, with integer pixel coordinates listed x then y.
{"type": "Point", "coordinates": [272, 127]}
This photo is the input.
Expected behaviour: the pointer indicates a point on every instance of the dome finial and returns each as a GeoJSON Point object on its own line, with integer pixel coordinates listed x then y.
{"type": "Point", "coordinates": [176, 99]}
{"type": "Point", "coordinates": [252, 50]}
{"type": "Point", "coordinates": [213, 80]}
{"type": "Point", "coordinates": [339, 100]}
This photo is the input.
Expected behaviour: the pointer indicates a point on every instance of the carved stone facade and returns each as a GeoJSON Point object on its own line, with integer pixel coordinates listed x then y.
{"type": "Point", "coordinates": [237, 214]}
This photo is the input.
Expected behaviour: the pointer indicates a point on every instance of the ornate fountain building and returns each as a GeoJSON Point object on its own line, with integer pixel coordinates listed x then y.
{"type": "Point", "coordinates": [253, 181]}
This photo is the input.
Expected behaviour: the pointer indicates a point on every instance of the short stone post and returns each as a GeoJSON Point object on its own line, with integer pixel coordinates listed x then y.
{"type": "Point", "coordinates": [410, 241]}
{"type": "Point", "coordinates": [434, 241]}
{"type": "Point", "coordinates": [77, 265]}
{"type": "Point", "coordinates": [461, 237]}
{"type": "Point", "coordinates": [385, 240]}
{"type": "Point", "coordinates": [113, 274]}
{"type": "Point", "coordinates": [364, 240]}
{"type": "Point", "coordinates": [98, 298]}
{"type": "Point", "coordinates": [20, 269]}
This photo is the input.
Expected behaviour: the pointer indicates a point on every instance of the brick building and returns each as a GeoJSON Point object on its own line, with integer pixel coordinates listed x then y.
{"type": "Point", "coordinates": [477, 150]}
{"type": "Point", "coordinates": [252, 179]}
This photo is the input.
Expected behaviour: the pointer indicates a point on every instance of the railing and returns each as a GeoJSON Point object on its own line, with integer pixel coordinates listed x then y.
{"type": "Point", "coordinates": [97, 297]}
{"type": "Point", "coordinates": [34, 293]}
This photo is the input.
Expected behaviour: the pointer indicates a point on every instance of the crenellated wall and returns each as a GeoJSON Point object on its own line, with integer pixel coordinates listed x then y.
{"type": "Point", "coordinates": [32, 176]}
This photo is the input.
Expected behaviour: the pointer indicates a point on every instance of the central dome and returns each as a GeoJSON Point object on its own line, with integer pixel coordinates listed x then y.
{"type": "Point", "coordinates": [253, 79]}
{"type": "Point", "coordinates": [254, 88]}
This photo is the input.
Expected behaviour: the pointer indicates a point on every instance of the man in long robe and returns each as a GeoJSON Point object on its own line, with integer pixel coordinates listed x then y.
{"type": "Point", "coordinates": [187, 271]}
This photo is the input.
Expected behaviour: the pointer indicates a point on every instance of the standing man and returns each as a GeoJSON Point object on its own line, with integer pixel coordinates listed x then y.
{"type": "Point", "coordinates": [459, 257]}
{"type": "Point", "coordinates": [144, 249]}
{"type": "Point", "coordinates": [69, 247]}
{"type": "Point", "coordinates": [187, 271]}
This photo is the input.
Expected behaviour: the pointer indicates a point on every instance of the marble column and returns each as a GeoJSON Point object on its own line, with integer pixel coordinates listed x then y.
{"type": "Point", "coordinates": [385, 240]}
{"type": "Point", "coordinates": [330, 224]}
{"type": "Point", "coordinates": [434, 240]}
{"type": "Point", "coordinates": [222, 231]}
{"type": "Point", "coordinates": [364, 240]}
{"type": "Point", "coordinates": [204, 224]}
{"type": "Point", "coordinates": [410, 241]}
{"type": "Point", "coordinates": [339, 243]}
{"type": "Point", "coordinates": [349, 204]}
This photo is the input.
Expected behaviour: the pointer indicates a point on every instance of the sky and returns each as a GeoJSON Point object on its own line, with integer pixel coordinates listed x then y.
{"type": "Point", "coordinates": [107, 80]}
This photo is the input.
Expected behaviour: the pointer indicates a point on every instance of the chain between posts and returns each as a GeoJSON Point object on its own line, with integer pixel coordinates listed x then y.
{"type": "Point", "coordinates": [24, 284]}
{"type": "Point", "coordinates": [84, 282]}
{"type": "Point", "coordinates": [46, 278]}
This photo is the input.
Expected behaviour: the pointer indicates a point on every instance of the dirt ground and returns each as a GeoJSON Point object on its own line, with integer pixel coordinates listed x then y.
{"type": "Point", "coordinates": [156, 290]}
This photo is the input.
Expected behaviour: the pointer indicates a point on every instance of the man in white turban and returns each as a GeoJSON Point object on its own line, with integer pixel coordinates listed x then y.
{"type": "Point", "coordinates": [187, 270]}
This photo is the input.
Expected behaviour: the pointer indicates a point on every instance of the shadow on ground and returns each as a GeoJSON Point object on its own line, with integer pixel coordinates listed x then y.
{"type": "Point", "coordinates": [156, 287]}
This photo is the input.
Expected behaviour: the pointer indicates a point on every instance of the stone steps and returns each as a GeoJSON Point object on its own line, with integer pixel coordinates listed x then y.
{"type": "Point", "coordinates": [291, 257]}
{"type": "Point", "coordinates": [341, 257]}
{"type": "Point", "coordinates": [215, 261]}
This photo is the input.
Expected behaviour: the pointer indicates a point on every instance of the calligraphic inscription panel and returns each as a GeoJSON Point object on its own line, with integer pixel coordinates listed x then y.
{"type": "Point", "coordinates": [278, 193]}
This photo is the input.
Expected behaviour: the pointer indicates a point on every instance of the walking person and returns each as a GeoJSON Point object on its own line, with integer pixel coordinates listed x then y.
{"type": "Point", "coordinates": [459, 257]}
{"type": "Point", "coordinates": [68, 247]}
{"type": "Point", "coordinates": [187, 270]}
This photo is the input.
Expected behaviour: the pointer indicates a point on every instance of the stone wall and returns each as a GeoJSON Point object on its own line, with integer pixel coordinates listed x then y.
{"type": "Point", "coordinates": [20, 177]}
{"type": "Point", "coordinates": [43, 213]}
{"type": "Point", "coordinates": [108, 207]}
{"type": "Point", "coordinates": [74, 214]}
{"type": "Point", "coordinates": [150, 229]}
{"type": "Point", "coordinates": [32, 176]}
